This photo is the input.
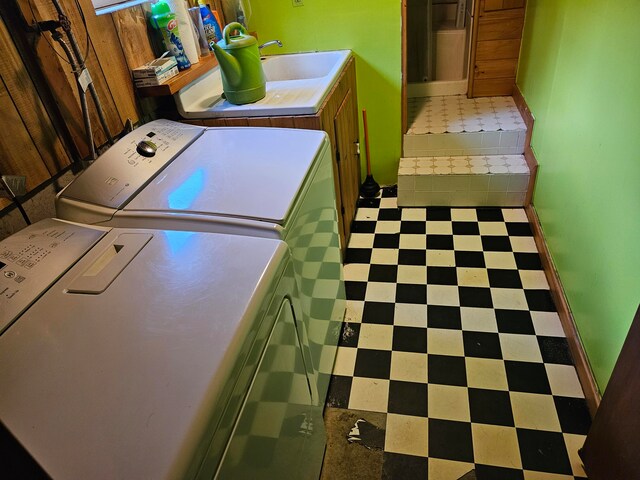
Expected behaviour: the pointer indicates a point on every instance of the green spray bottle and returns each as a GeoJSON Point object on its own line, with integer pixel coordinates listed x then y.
{"type": "Point", "coordinates": [164, 20]}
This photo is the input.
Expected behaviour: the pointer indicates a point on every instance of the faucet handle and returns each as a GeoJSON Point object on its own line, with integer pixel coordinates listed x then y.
{"type": "Point", "coordinates": [269, 43]}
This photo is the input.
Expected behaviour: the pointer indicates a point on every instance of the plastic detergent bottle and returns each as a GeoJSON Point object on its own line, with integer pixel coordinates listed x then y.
{"type": "Point", "coordinates": [163, 19]}
{"type": "Point", "coordinates": [211, 25]}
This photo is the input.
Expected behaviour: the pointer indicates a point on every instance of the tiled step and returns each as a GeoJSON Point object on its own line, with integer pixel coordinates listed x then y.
{"type": "Point", "coordinates": [463, 181]}
{"type": "Point", "coordinates": [456, 125]}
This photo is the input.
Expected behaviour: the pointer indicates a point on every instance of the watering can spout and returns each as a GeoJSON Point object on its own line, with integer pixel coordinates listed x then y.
{"type": "Point", "coordinates": [228, 64]}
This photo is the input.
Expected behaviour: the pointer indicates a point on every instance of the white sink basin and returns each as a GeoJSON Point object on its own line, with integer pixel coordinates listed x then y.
{"type": "Point", "coordinates": [297, 84]}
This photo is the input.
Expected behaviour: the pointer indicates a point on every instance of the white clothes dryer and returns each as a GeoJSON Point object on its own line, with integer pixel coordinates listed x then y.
{"type": "Point", "coordinates": [133, 353]}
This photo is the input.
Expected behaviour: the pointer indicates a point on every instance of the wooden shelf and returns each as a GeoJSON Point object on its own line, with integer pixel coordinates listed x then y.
{"type": "Point", "coordinates": [182, 79]}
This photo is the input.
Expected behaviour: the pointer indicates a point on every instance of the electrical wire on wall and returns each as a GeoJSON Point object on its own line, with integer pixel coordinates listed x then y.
{"type": "Point", "coordinates": [5, 186]}
{"type": "Point", "coordinates": [76, 59]}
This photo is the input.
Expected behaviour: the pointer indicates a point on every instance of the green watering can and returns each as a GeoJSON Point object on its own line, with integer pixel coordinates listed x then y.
{"type": "Point", "coordinates": [243, 79]}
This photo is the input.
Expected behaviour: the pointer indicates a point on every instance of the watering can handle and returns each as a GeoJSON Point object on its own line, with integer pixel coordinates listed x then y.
{"type": "Point", "coordinates": [230, 28]}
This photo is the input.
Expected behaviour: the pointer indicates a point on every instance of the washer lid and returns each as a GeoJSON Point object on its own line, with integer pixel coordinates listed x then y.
{"type": "Point", "coordinates": [254, 173]}
{"type": "Point", "coordinates": [125, 383]}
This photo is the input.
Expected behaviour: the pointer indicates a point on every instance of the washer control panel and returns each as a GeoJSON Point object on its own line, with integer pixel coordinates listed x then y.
{"type": "Point", "coordinates": [34, 258]}
{"type": "Point", "coordinates": [123, 170]}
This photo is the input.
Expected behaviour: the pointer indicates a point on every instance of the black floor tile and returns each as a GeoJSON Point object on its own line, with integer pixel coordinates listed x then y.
{"type": "Point", "coordinates": [495, 243]}
{"type": "Point", "coordinates": [573, 414]}
{"type": "Point", "coordinates": [368, 203]}
{"type": "Point", "coordinates": [373, 363]}
{"type": "Point", "coordinates": [475, 297]}
{"type": "Point", "coordinates": [439, 242]}
{"type": "Point", "coordinates": [528, 261]}
{"type": "Point", "coordinates": [442, 276]}
{"type": "Point", "coordinates": [465, 228]}
{"type": "Point", "coordinates": [490, 406]}
{"type": "Point", "coordinates": [411, 293]}
{"type": "Point", "coordinates": [439, 316]}
{"type": "Point", "coordinates": [339, 390]}
{"type": "Point", "coordinates": [482, 344]}
{"type": "Point", "coordinates": [378, 312]}
{"type": "Point", "coordinates": [408, 398]}
{"type": "Point", "coordinates": [450, 440]}
{"type": "Point", "coordinates": [390, 191]}
{"type": "Point", "coordinates": [413, 227]}
{"type": "Point", "coordinates": [410, 339]}
{"type": "Point", "coordinates": [514, 321]}
{"type": "Point", "coordinates": [488, 472]}
{"type": "Point", "coordinates": [383, 273]}
{"type": "Point", "coordinates": [389, 214]}
{"type": "Point", "coordinates": [489, 215]}
{"type": "Point", "coordinates": [412, 257]}
{"type": "Point", "coordinates": [363, 226]}
{"type": "Point", "coordinates": [543, 451]}
{"type": "Point", "coordinates": [519, 229]}
{"type": "Point", "coordinates": [397, 466]}
{"type": "Point", "coordinates": [435, 214]}
{"type": "Point", "coordinates": [540, 300]}
{"type": "Point", "coordinates": [358, 255]}
{"type": "Point", "coordinates": [355, 290]}
{"type": "Point", "coordinates": [527, 377]}
{"type": "Point", "coordinates": [555, 350]}
{"type": "Point", "coordinates": [447, 370]}
{"type": "Point", "coordinates": [349, 335]}
{"type": "Point", "coordinates": [470, 259]}
{"type": "Point", "coordinates": [502, 278]}
{"type": "Point", "coordinates": [386, 240]}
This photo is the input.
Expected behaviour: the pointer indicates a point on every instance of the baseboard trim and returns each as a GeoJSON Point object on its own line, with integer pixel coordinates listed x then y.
{"type": "Point", "coordinates": [585, 374]}
{"type": "Point", "coordinates": [529, 156]}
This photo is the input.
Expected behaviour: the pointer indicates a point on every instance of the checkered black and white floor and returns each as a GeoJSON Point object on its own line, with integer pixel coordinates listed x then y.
{"type": "Point", "coordinates": [451, 332]}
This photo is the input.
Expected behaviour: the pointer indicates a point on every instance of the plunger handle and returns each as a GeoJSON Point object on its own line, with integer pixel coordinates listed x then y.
{"type": "Point", "coordinates": [366, 139]}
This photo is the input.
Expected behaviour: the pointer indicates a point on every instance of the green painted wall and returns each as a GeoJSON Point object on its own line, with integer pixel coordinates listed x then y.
{"type": "Point", "coordinates": [371, 28]}
{"type": "Point", "coordinates": [580, 74]}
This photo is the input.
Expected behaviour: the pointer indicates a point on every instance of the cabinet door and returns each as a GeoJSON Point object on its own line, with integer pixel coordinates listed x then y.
{"type": "Point", "coordinates": [346, 128]}
{"type": "Point", "coordinates": [497, 34]}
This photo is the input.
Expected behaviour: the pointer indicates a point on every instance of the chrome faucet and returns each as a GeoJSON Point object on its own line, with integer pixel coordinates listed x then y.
{"type": "Point", "coordinates": [268, 44]}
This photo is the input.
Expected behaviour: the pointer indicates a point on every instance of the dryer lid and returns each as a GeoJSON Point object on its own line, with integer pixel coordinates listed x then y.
{"type": "Point", "coordinates": [255, 173]}
{"type": "Point", "coordinates": [124, 383]}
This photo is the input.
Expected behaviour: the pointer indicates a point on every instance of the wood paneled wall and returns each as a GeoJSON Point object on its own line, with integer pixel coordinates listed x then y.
{"type": "Point", "coordinates": [32, 130]}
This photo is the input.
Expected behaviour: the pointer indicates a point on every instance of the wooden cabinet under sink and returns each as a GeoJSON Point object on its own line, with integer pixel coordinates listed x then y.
{"type": "Point", "coordinates": [338, 116]}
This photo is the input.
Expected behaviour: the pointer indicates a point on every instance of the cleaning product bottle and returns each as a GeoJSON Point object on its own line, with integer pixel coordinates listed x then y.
{"type": "Point", "coordinates": [211, 25]}
{"type": "Point", "coordinates": [163, 19]}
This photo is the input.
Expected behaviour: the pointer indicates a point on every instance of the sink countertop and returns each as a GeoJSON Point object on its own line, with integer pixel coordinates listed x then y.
{"type": "Point", "coordinates": [297, 96]}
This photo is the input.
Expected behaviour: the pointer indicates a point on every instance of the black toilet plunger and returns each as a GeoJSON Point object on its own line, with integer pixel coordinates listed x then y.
{"type": "Point", "coordinates": [369, 187]}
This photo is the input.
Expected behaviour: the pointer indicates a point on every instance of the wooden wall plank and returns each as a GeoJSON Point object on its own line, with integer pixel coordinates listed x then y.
{"type": "Point", "coordinates": [499, 68]}
{"type": "Point", "coordinates": [60, 79]}
{"type": "Point", "coordinates": [131, 25]}
{"type": "Point", "coordinates": [499, 27]}
{"type": "Point", "coordinates": [94, 66]}
{"type": "Point", "coordinates": [498, 49]}
{"type": "Point", "coordinates": [489, 87]}
{"type": "Point", "coordinates": [19, 154]}
{"type": "Point", "coordinates": [29, 106]}
{"type": "Point", "coordinates": [106, 45]}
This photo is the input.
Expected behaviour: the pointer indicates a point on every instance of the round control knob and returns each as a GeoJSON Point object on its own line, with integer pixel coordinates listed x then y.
{"type": "Point", "coordinates": [146, 148]}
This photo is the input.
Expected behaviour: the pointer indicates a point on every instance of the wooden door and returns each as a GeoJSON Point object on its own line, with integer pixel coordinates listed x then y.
{"type": "Point", "coordinates": [346, 130]}
{"type": "Point", "coordinates": [495, 48]}
{"type": "Point", "coordinates": [613, 443]}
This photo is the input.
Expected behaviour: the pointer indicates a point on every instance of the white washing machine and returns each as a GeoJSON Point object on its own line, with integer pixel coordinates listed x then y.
{"type": "Point", "coordinates": [131, 353]}
{"type": "Point", "coordinates": [265, 182]}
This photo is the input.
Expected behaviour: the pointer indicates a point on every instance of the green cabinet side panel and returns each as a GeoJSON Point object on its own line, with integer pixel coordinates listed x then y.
{"type": "Point", "coordinates": [580, 75]}
{"type": "Point", "coordinates": [371, 28]}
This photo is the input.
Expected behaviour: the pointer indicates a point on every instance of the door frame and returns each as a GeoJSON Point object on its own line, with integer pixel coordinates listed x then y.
{"type": "Point", "coordinates": [403, 8]}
